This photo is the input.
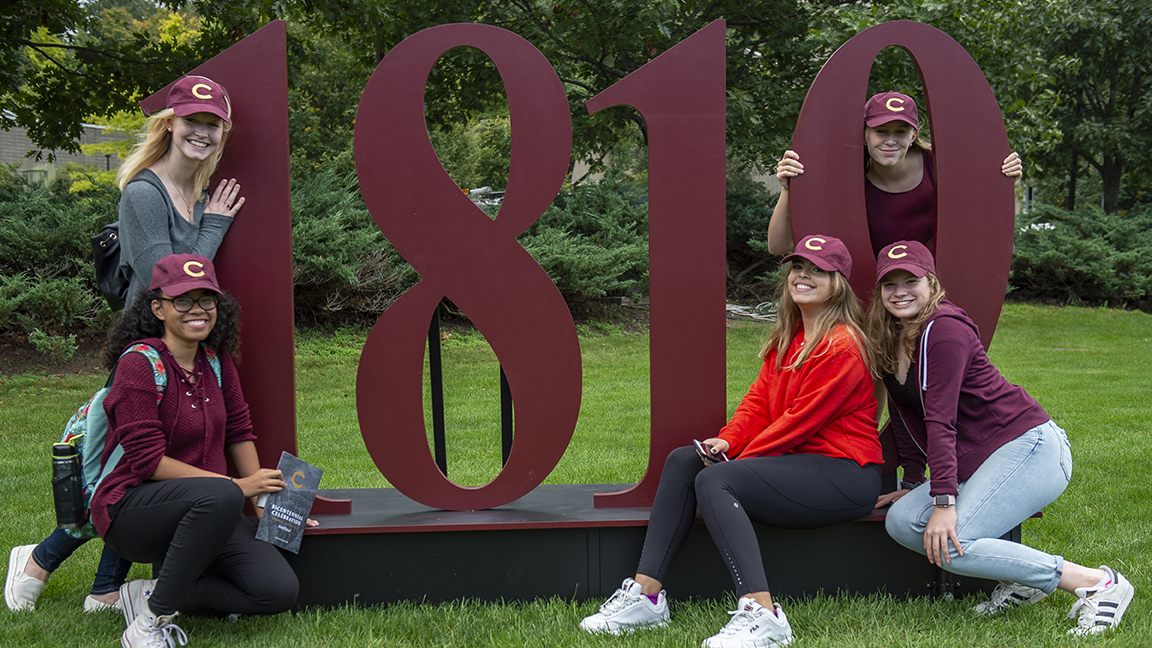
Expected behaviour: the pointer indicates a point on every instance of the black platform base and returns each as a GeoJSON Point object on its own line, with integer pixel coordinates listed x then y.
{"type": "Point", "coordinates": [553, 543]}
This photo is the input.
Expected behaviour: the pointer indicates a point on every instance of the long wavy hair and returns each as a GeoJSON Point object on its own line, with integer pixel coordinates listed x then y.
{"type": "Point", "coordinates": [139, 322]}
{"type": "Point", "coordinates": [843, 308]}
{"type": "Point", "coordinates": [886, 333]}
{"type": "Point", "coordinates": [153, 143]}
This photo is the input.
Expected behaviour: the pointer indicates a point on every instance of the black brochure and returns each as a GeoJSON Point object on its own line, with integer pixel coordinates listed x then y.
{"type": "Point", "coordinates": [285, 512]}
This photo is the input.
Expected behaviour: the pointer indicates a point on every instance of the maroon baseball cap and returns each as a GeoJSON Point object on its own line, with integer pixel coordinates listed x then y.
{"type": "Point", "coordinates": [176, 274]}
{"type": "Point", "coordinates": [825, 252]}
{"type": "Point", "coordinates": [905, 255]}
{"type": "Point", "coordinates": [890, 106]}
{"type": "Point", "coordinates": [196, 94]}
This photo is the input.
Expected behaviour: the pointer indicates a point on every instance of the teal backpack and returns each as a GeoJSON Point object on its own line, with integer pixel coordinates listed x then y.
{"type": "Point", "coordinates": [88, 428]}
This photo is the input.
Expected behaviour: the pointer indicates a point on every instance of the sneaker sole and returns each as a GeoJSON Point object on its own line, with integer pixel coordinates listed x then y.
{"type": "Point", "coordinates": [622, 630]}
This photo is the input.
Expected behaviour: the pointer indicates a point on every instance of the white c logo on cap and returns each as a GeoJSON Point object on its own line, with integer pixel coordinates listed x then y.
{"type": "Point", "coordinates": [815, 239]}
{"type": "Point", "coordinates": [196, 91]}
{"type": "Point", "coordinates": [892, 253]}
{"type": "Point", "coordinates": [888, 104]}
{"type": "Point", "coordinates": [199, 272]}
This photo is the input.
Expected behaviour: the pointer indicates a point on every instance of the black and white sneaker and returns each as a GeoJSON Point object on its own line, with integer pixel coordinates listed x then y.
{"type": "Point", "coordinates": [1009, 596]}
{"type": "Point", "coordinates": [628, 609]}
{"type": "Point", "coordinates": [1100, 610]}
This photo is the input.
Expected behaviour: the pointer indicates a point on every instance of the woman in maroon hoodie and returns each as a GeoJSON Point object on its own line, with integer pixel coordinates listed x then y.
{"type": "Point", "coordinates": [169, 499]}
{"type": "Point", "coordinates": [994, 456]}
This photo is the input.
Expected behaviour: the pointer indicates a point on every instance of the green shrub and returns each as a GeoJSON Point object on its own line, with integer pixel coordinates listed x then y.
{"type": "Point", "coordinates": [57, 348]}
{"type": "Point", "coordinates": [1084, 256]}
{"type": "Point", "coordinates": [751, 268]}
{"type": "Point", "coordinates": [344, 270]}
{"type": "Point", "coordinates": [593, 240]}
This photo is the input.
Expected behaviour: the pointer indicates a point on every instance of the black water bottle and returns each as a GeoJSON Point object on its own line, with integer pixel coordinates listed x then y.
{"type": "Point", "coordinates": [67, 486]}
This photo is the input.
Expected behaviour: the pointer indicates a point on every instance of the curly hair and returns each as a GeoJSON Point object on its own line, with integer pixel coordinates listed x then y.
{"type": "Point", "coordinates": [139, 322]}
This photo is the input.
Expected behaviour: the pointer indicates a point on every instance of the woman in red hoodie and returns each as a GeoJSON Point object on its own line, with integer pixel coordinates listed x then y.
{"type": "Point", "coordinates": [806, 455]}
{"type": "Point", "coordinates": [994, 455]}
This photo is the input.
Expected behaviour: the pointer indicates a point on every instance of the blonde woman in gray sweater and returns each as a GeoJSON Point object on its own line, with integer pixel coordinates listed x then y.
{"type": "Point", "coordinates": [165, 207]}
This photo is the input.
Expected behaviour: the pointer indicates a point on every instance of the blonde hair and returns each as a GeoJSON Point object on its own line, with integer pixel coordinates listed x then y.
{"type": "Point", "coordinates": [843, 307]}
{"type": "Point", "coordinates": [153, 143]}
{"type": "Point", "coordinates": [886, 333]}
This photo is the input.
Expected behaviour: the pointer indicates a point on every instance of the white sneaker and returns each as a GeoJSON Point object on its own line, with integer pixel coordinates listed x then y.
{"type": "Point", "coordinates": [91, 604]}
{"type": "Point", "coordinates": [20, 589]}
{"type": "Point", "coordinates": [134, 597]}
{"type": "Point", "coordinates": [1101, 610]}
{"type": "Point", "coordinates": [628, 609]}
{"type": "Point", "coordinates": [151, 631]}
{"type": "Point", "coordinates": [752, 625]}
{"type": "Point", "coordinates": [1009, 596]}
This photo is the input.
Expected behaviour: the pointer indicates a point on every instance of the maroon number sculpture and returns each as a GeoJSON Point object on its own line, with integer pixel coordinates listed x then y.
{"type": "Point", "coordinates": [974, 201]}
{"type": "Point", "coordinates": [473, 260]}
{"type": "Point", "coordinates": [681, 96]}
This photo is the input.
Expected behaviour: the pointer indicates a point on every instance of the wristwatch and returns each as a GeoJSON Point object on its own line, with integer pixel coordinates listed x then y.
{"type": "Point", "coordinates": [944, 500]}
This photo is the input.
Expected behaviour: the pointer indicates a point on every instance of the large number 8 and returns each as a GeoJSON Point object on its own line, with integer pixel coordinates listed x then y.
{"type": "Point", "coordinates": [473, 260]}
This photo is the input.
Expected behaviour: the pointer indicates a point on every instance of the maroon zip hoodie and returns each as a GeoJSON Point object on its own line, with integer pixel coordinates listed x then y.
{"type": "Point", "coordinates": [969, 409]}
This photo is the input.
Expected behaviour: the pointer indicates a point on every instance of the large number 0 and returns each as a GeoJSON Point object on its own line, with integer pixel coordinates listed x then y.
{"type": "Point", "coordinates": [974, 201]}
{"type": "Point", "coordinates": [473, 260]}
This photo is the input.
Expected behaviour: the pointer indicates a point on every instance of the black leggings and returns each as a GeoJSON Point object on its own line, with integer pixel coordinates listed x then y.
{"type": "Point", "coordinates": [795, 491]}
{"type": "Point", "coordinates": [210, 558]}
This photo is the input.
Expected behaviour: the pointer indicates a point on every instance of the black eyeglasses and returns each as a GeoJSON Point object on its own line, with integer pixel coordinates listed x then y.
{"type": "Point", "coordinates": [184, 304]}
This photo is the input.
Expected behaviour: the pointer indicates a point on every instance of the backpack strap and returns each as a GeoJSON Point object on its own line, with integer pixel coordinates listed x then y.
{"type": "Point", "coordinates": [159, 374]}
{"type": "Point", "coordinates": [214, 362]}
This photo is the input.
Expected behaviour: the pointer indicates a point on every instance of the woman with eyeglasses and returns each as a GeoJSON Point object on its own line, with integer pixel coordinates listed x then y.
{"type": "Point", "coordinates": [164, 209]}
{"type": "Point", "coordinates": [168, 500]}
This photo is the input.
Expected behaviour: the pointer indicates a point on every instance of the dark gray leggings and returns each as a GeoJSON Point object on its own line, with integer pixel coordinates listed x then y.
{"type": "Point", "coordinates": [795, 491]}
{"type": "Point", "coordinates": [210, 558]}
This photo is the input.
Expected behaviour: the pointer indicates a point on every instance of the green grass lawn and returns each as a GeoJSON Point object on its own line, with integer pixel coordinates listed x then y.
{"type": "Point", "coordinates": [1089, 368]}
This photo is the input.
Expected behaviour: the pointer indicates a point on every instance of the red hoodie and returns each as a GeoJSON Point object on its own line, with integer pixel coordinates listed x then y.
{"type": "Point", "coordinates": [827, 406]}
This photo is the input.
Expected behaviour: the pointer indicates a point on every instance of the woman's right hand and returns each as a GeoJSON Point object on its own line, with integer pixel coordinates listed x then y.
{"type": "Point", "coordinates": [226, 199]}
{"type": "Point", "coordinates": [789, 167]}
{"type": "Point", "coordinates": [264, 480]}
{"type": "Point", "coordinates": [888, 498]}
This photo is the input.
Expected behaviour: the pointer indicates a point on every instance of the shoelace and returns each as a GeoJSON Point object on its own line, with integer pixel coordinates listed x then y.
{"type": "Point", "coordinates": [1087, 608]}
{"type": "Point", "coordinates": [164, 635]}
{"type": "Point", "coordinates": [1000, 596]}
{"type": "Point", "coordinates": [618, 601]}
{"type": "Point", "coordinates": [740, 619]}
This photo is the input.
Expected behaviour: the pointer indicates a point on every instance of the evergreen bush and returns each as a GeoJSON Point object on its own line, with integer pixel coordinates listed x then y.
{"type": "Point", "coordinates": [1084, 256]}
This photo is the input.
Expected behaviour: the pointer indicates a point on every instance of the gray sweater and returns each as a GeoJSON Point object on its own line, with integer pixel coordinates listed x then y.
{"type": "Point", "coordinates": [151, 228]}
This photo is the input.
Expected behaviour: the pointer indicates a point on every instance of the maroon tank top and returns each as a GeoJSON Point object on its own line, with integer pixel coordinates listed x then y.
{"type": "Point", "coordinates": [907, 216]}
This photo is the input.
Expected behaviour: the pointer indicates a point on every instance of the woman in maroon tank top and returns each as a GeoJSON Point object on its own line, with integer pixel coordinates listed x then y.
{"type": "Point", "coordinates": [900, 187]}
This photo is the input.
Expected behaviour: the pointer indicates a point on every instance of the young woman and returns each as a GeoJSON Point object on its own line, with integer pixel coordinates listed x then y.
{"type": "Point", "coordinates": [994, 455]}
{"type": "Point", "coordinates": [899, 187]}
{"type": "Point", "coordinates": [162, 211]}
{"type": "Point", "coordinates": [164, 208]}
{"type": "Point", "coordinates": [169, 500]}
{"type": "Point", "coordinates": [806, 455]}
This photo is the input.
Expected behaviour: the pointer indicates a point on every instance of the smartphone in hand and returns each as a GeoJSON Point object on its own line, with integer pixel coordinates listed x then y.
{"type": "Point", "coordinates": [706, 454]}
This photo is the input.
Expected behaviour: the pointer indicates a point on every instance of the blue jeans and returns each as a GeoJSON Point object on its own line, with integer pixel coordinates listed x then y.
{"type": "Point", "coordinates": [55, 549]}
{"type": "Point", "coordinates": [1019, 479]}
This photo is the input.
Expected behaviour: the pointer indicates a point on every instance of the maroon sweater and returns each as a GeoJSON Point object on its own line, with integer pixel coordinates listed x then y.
{"type": "Point", "coordinates": [969, 409]}
{"type": "Point", "coordinates": [182, 426]}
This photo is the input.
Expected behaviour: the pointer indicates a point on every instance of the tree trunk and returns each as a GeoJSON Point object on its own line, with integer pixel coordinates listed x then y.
{"type": "Point", "coordinates": [1110, 175]}
{"type": "Point", "coordinates": [1072, 173]}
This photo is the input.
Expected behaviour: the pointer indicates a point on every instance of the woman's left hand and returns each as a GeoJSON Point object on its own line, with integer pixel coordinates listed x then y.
{"type": "Point", "coordinates": [1013, 167]}
{"type": "Point", "coordinates": [941, 529]}
{"type": "Point", "coordinates": [311, 523]}
{"type": "Point", "coordinates": [716, 445]}
{"type": "Point", "coordinates": [226, 199]}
